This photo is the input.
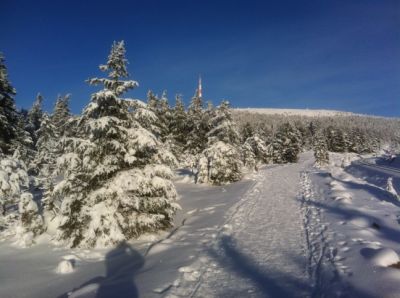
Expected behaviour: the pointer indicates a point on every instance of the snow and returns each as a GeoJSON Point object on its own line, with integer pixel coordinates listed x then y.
{"type": "Point", "coordinates": [65, 266]}
{"type": "Point", "coordinates": [381, 256]}
{"type": "Point", "coordinates": [286, 231]}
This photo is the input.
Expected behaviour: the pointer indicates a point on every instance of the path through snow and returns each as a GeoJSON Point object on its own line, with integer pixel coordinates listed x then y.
{"type": "Point", "coordinates": [261, 251]}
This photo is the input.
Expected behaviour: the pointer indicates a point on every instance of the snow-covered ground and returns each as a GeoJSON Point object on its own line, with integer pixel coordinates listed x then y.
{"type": "Point", "coordinates": [286, 231]}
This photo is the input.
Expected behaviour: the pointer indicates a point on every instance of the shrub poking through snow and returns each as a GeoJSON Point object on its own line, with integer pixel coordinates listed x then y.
{"type": "Point", "coordinates": [390, 188]}
{"type": "Point", "coordinates": [116, 185]}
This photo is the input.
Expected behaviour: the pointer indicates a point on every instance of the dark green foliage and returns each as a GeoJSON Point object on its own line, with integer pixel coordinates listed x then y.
{"type": "Point", "coordinates": [320, 148]}
{"type": "Point", "coordinates": [286, 144]}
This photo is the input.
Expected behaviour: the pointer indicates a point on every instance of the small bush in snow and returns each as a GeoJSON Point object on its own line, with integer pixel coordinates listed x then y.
{"type": "Point", "coordinates": [220, 164]}
{"type": "Point", "coordinates": [390, 188]}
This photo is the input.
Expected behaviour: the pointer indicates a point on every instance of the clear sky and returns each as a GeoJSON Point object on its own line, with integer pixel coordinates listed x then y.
{"type": "Point", "coordinates": [340, 54]}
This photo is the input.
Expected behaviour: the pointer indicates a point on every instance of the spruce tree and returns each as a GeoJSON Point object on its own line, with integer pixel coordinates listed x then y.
{"type": "Point", "coordinates": [220, 162]}
{"type": "Point", "coordinates": [179, 127]}
{"type": "Point", "coordinates": [286, 144]}
{"type": "Point", "coordinates": [8, 113]}
{"type": "Point", "coordinates": [34, 118]}
{"type": "Point", "coordinates": [164, 115]}
{"type": "Point", "coordinates": [259, 151]}
{"type": "Point", "coordinates": [30, 221]}
{"type": "Point", "coordinates": [116, 185]}
{"type": "Point", "coordinates": [14, 181]}
{"type": "Point", "coordinates": [196, 139]}
{"type": "Point", "coordinates": [247, 131]}
{"type": "Point", "coordinates": [320, 148]}
{"type": "Point", "coordinates": [61, 117]}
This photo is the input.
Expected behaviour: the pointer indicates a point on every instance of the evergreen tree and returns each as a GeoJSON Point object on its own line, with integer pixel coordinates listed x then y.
{"type": "Point", "coordinates": [61, 117]}
{"type": "Point", "coordinates": [14, 180]}
{"type": "Point", "coordinates": [8, 113]}
{"type": "Point", "coordinates": [220, 162]}
{"type": "Point", "coordinates": [179, 127]}
{"type": "Point", "coordinates": [30, 221]}
{"type": "Point", "coordinates": [247, 131]}
{"type": "Point", "coordinates": [196, 139]}
{"type": "Point", "coordinates": [337, 140]}
{"type": "Point", "coordinates": [34, 118]}
{"type": "Point", "coordinates": [115, 186]}
{"type": "Point", "coordinates": [45, 159]}
{"type": "Point", "coordinates": [286, 144]}
{"type": "Point", "coordinates": [259, 151]}
{"type": "Point", "coordinates": [164, 115]}
{"type": "Point", "coordinates": [248, 156]}
{"type": "Point", "coordinates": [23, 142]}
{"type": "Point", "coordinates": [152, 101]}
{"type": "Point", "coordinates": [320, 147]}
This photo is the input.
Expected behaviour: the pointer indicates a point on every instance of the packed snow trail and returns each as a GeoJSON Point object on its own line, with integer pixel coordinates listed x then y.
{"type": "Point", "coordinates": [262, 249]}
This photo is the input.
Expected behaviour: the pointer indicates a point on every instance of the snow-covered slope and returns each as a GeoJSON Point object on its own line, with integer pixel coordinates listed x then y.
{"type": "Point", "coordinates": [296, 112]}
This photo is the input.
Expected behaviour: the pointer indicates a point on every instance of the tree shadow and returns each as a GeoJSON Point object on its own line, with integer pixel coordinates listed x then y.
{"type": "Point", "coordinates": [275, 283]}
{"type": "Point", "coordinates": [122, 263]}
{"type": "Point", "coordinates": [347, 214]}
{"type": "Point", "coordinates": [373, 176]}
{"type": "Point", "coordinates": [375, 191]}
{"type": "Point", "coordinates": [270, 283]}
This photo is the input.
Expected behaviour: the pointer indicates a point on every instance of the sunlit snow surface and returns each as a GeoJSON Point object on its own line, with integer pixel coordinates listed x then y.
{"type": "Point", "coordinates": [286, 231]}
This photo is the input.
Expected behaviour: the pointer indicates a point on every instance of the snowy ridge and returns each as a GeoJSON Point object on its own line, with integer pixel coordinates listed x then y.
{"type": "Point", "coordinates": [297, 112]}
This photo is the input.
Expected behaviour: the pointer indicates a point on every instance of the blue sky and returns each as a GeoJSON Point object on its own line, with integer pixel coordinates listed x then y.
{"type": "Point", "coordinates": [340, 54]}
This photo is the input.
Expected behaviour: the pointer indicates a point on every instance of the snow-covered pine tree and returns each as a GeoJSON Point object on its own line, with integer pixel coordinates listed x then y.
{"type": "Point", "coordinates": [30, 221]}
{"type": "Point", "coordinates": [34, 118]}
{"type": "Point", "coordinates": [53, 129]}
{"type": "Point", "coordinates": [116, 186]}
{"type": "Point", "coordinates": [220, 162]}
{"type": "Point", "coordinates": [286, 144]}
{"type": "Point", "coordinates": [320, 148]}
{"type": "Point", "coordinates": [246, 131]}
{"type": "Point", "coordinates": [179, 127]}
{"type": "Point", "coordinates": [248, 156]}
{"type": "Point", "coordinates": [61, 117]}
{"type": "Point", "coordinates": [255, 152]}
{"type": "Point", "coordinates": [14, 180]}
{"type": "Point", "coordinates": [47, 150]}
{"type": "Point", "coordinates": [8, 113]}
{"type": "Point", "coordinates": [196, 139]}
{"type": "Point", "coordinates": [337, 139]}
{"type": "Point", "coordinates": [23, 142]}
{"type": "Point", "coordinates": [152, 101]}
{"type": "Point", "coordinates": [164, 115]}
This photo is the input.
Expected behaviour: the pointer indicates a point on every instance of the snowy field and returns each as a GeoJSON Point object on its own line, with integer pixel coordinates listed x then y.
{"type": "Point", "coordinates": [286, 231]}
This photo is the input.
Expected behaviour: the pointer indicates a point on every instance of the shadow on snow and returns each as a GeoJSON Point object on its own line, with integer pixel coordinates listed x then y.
{"type": "Point", "coordinates": [122, 264]}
